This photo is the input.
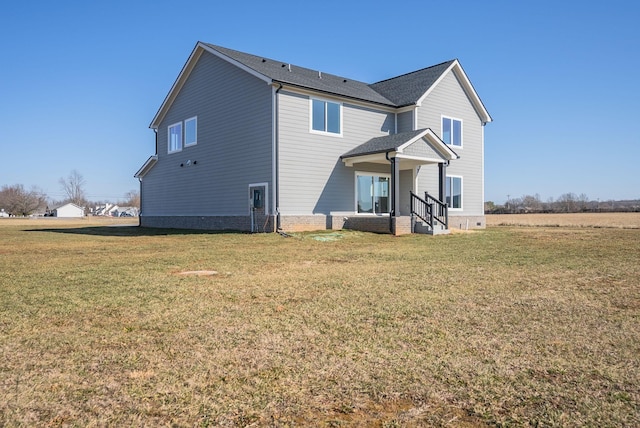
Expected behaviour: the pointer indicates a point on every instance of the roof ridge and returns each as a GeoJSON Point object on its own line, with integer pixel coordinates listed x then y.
{"type": "Point", "coordinates": [283, 63]}
{"type": "Point", "coordinates": [415, 71]}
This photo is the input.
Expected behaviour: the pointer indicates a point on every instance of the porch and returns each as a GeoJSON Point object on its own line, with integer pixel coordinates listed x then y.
{"type": "Point", "coordinates": [394, 196]}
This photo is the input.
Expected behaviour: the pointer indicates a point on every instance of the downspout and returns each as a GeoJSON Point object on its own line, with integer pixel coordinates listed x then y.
{"type": "Point", "coordinates": [156, 132]}
{"type": "Point", "coordinates": [140, 211]}
{"type": "Point", "coordinates": [276, 169]}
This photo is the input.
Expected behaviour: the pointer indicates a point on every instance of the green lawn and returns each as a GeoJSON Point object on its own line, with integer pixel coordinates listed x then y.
{"type": "Point", "coordinates": [507, 326]}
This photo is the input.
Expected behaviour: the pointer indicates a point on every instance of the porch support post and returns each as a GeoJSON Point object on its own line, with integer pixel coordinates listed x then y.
{"type": "Point", "coordinates": [395, 183]}
{"type": "Point", "coordinates": [442, 181]}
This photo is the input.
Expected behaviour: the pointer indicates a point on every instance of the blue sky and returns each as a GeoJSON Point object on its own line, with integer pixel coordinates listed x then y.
{"type": "Point", "coordinates": [80, 81]}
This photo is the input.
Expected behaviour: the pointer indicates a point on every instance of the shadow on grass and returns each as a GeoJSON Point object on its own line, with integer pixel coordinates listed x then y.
{"type": "Point", "coordinates": [129, 231]}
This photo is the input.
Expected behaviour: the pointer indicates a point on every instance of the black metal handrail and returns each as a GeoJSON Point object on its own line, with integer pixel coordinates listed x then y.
{"type": "Point", "coordinates": [440, 211]}
{"type": "Point", "coordinates": [421, 209]}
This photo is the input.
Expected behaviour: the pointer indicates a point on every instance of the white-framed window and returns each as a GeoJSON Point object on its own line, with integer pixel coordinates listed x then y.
{"type": "Point", "coordinates": [175, 137]}
{"type": "Point", "coordinates": [452, 131]}
{"type": "Point", "coordinates": [326, 117]}
{"type": "Point", "coordinates": [372, 193]}
{"type": "Point", "coordinates": [191, 131]}
{"type": "Point", "coordinates": [454, 192]}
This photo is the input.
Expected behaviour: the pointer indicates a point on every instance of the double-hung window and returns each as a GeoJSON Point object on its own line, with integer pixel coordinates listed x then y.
{"type": "Point", "coordinates": [326, 117]}
{"type": "Point", "coordinates": [372, 193]}
{"type": "Point", "coordinates": [175, 137]}
{"type": "Point", "coordinates": [454, 192]}
{"type": "Point", "coordinates": [190, 131]}
{"type": "Point", "coordinates": [452, 131]}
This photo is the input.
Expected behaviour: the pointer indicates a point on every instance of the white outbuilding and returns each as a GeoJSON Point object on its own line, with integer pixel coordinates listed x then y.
{"type": "Point", "coordinates": [69, 210]}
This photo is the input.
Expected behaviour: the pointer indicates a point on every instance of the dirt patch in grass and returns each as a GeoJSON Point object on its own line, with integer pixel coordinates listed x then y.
{"type": "Point", "coordinates": [506, 326]}
{"type": "Point", "coordinates": [199, 272]}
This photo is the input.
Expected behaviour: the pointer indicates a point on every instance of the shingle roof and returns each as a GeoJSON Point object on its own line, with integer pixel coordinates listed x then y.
{"type": "Point", "coordinates": [383, 144]}
{"type": "Point", "coordinates": [409, 88]}
{"type": "Point", "coordinates": [396, 92]}
{"type": "Point", "coordinates": [304, 77]}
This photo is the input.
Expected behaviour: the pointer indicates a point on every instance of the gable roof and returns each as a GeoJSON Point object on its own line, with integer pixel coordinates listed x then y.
{"type": "Point", "coordinates": [409, 88]}
{"type": "Point", "coordinates": [68, 204]}
{"type": "Point", "coordinates": [404, 143]}
{"type": "Point", "coordinates": [406, 90]}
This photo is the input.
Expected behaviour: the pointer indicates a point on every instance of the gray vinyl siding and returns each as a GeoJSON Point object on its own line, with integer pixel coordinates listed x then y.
{"type": "Point", "coordinates": [313, 179]}
{"type": "Point", "coordinates": [421, 148]}
{"type": "Point", "coordinates": [405, 122]}
{"type": "Point", "coordinates": [234, 144]}
{"type": "Point", "coordinates": [449, 99]}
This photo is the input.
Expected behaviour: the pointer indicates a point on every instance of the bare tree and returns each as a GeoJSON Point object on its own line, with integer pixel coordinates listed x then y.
{"type": "Point", "coordinates": [73, 187]}
{"type": "Point", "coordinates": [583, 202]}
{"type": "Point", "coordinates": [132, 198]}
{"type": "Point", "coordinates": [16, 200]}
{"type": "Point", "coordinates": [567, 202]}
{"type": "Point", "coordinates": [532, 203]}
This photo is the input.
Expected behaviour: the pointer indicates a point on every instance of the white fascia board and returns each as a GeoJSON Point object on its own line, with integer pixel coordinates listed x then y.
{"type": "Point", "coordinates": [186, 71]}
{"type": "Point", "coordinates": [241, 66]}
{"type": "Point", "coordinates": [436, 83]}
{"type": "Point", "coordinates": [406, 109]}
{"type": "Point", "coordinates": [413, 140]}
{"type": "Point", "coordinates": [146, 167]}
{"type": "Point", "coordinates": [434, 141]}
{"type": "Point", "coordinates": [466, 85]}
{"type": "Point", "coordinates": [177, 85]}
{"type": "Point", "coordinates": [372, 158]}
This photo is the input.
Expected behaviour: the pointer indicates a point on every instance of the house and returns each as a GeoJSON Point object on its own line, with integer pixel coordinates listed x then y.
{"type": "Point", "coordinates": [109, 210]}
{"type": "Point", "coordinates": [245, 142]}
{"type": "Point", "coordinates": [68, 210]}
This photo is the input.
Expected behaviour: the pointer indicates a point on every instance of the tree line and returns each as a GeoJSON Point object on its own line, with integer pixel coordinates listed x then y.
{"type": "Point", "coordinates": [15, 200]}
{"type": "Point", "coordinates": [565, 203]}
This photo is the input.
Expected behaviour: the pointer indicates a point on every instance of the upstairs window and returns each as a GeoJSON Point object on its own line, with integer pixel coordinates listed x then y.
{"type": "Point", "coordinates": [175, 137]}
{"type": "Point", "coordinates": [191, 131]}
{"type": "Point", "coordinates": [452, 131]}
{"type": "Point", "coordinates": [326, 116]}
{"type": "Point", "coordinates": [454, 192]}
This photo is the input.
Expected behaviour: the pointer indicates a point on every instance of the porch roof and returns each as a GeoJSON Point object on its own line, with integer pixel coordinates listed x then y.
{"type": "Point", "coordinates": [419, 147]}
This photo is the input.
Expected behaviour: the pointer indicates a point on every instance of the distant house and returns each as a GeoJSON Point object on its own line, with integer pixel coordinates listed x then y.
{"type": "Point", "coordinates": [246, 142]}
{"type": "Point", "coordinates": [109, 210]}
{"type": "Point", "coordinates": [69, 210]}
{"type": "Point", "coordinates": [3, 213]}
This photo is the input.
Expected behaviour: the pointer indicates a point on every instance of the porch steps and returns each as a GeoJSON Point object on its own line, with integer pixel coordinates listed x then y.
{"type": "Point", "coordinates": [421, 227]}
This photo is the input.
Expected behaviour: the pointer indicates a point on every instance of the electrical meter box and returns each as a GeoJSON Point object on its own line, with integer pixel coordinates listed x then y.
{"type": "Point", "coordinates": [258, 198]}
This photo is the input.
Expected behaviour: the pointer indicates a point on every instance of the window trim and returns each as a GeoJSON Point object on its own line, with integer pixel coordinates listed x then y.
{"type": "Point", "coordinates": [442, 117]}
{"type": "Point", "coordinates": [461, 192]}
{"type": "Point", "coordinates": [191, 119]}
{"type": "Point", "coordinates": [326, 116]}
{"type": "Point", "coordinates": [179, 148]}
{"type": "Point", "coordinates": [355, 192]}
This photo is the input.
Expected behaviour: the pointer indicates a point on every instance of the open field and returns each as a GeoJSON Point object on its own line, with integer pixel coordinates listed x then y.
{"type": "Point", "coordinates": [607, 220]}
{"type": "Point", "coordinates": [100, 325]}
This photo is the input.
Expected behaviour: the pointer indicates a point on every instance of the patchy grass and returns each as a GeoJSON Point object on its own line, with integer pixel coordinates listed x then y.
{"type": "Point", "coordinates": [507, 326]}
